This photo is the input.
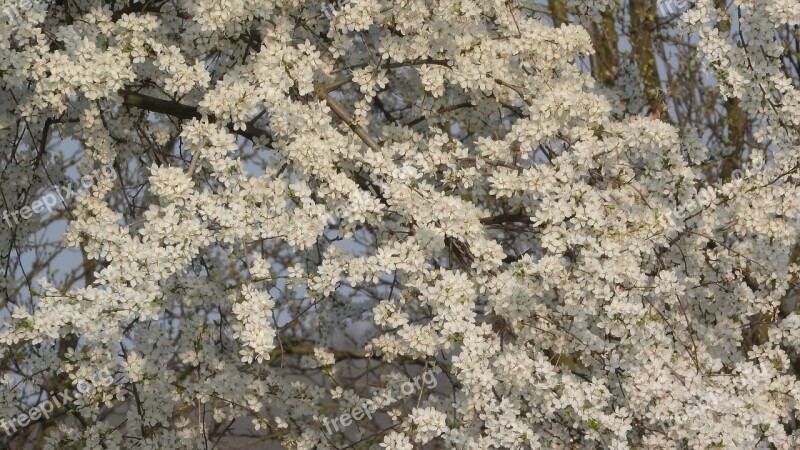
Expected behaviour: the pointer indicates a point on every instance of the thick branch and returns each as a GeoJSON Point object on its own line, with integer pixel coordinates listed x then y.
{"type": "Point", "coordinates": [344, 116]}
{"type": "Point", "coordinates": [181, 111]}
{"type": "Point", "coordinates": [505, 218]}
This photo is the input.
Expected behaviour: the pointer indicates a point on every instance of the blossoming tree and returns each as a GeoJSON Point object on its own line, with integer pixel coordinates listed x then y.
{"type": "Point", "coordinates": [580, 216]}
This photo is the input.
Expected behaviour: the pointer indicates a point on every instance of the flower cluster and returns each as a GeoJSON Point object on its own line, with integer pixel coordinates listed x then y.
{"type": "Point", "coordinates": [308, 207]}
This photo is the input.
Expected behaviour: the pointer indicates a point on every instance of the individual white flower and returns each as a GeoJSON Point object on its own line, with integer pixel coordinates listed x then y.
{"type": "Point", "coordinates": [394, 440]}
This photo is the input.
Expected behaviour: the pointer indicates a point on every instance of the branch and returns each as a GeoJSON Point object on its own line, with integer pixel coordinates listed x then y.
{"type": "Point", "coordinates": [440, 111]}
{"type": "Point", "coordinates": [181, 111]}
{"type": "Point", "coordinates": [344, 116]}
{"type": "Point", "coordinates": [505, 218]}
